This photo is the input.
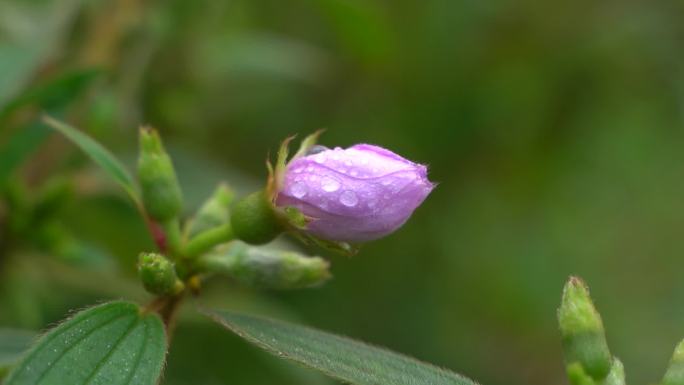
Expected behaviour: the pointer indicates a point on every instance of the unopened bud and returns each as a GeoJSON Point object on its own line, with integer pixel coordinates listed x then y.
{"type": "Point", "coordinates": [269, 269]}
{"type": "Point", "coordinates": [214, 212]}
{"type": "Point", "coordinates": [357, 194]}
{"type": "Point", "coordinates": [158, 274]}
{"type": "Point", "coordinates": [254, 220]}
{"type": "Point", "coordinates": [161, 193]}
{"type": "Point", "coordinates": [583, 336]}
{"type": "Point", "coordinates": [675, 371]}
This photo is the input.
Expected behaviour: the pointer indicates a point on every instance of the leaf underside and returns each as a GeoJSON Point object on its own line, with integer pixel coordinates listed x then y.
{"type": "Point", "coordinates": [339, 357]}
{"type": "Point", "coordinates": [113, 344]}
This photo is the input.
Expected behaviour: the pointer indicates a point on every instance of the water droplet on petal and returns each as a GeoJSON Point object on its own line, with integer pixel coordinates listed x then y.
{"type": "Point", "coordinates": [316, 149]}
{"type": "Point", "coordinates": [330, 185]}
{"type": "Point", "coordinates": [349, 198]}
{"type": "Point", "coordinates": [386, 182]}
{"type": "Point", "coordinates": [353, 173]}
{"type": "Point", "coordinates": [298, 190]}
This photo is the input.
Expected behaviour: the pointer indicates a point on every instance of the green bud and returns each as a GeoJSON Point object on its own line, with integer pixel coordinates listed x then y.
{"type": "Point", "coordinates": [214, 212]}
{"type": "Point", "coordinates": [583, 336]}
{"type": "Point", "coordinates": [269, 269]}
{"type": "Point", "coordinates": [161, 193]}
{"type": "Point", "coordinates": [675, 371]}
{"type": "Point", "coordinates": [158, 274]}
{"type": "Point", "coordinates": [254, 220]}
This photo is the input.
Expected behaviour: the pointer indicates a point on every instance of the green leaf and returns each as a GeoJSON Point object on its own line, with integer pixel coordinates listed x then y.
{"type": "Point", "coordinates": [112, 344]}
{"type": "Point", "coordinates": [99, 154]}
{"type": "Point", "coordinates": [13, 343]}
{"type": "Point", "coordinates": [339, 357]}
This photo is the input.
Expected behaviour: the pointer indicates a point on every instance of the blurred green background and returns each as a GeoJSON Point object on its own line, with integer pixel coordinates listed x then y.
{"type": "Point", "coordinates": [554, 130]}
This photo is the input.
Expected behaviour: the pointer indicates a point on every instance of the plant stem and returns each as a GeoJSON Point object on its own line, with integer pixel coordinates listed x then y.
{"type": "Point", "coordinates": [167, 308]}
{"type": "Point", "coordinates": [156, 233]}
{"type": "Point", "coordinates": [173, 237]}
{"type": "Point", "coordinates": [206, 240]}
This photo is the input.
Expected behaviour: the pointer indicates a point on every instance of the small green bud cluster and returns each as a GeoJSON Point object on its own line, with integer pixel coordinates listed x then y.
{"type": "Point", "coordinates": [158, 274]}
{"type": "Point", "coordinates": [190, 249]}
{"type": "Point", "coordinates": [588, 359]}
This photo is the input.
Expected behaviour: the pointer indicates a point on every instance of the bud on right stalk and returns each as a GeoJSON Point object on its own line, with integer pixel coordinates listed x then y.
{"type": "Point", "coordinates": [675, 371]}
{"type": "Point", "coordinates": [158, 274]}
{"type": "Point", "coordinates": [583, 336]}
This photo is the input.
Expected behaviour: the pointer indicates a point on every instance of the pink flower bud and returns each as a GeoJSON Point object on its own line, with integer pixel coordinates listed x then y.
{"type": "Point", "coordinates": [354, 195]}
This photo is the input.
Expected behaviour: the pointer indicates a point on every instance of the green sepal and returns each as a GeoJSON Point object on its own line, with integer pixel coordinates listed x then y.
{"type": "Point", "coordinates": [214, 212]}
{"type": "Point", "coordinates": [307, 144]}
{"type": "Point", "coordinates": [161, 193]}
{"type": "Point", "coordinates": [295, 217]}
{"type": "Point", "coordinates": [267, 268]}
{"type": "Point", "coordinates": [276, 173]}
{"type": "Point", "coordinates": [582, 331]}
{"type": "Point", "coordinates": [158, 274]}
{"type": "Point", "coordinates": [339, 247]}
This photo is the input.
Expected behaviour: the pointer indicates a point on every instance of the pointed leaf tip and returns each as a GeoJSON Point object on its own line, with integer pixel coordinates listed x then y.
{"type": "Point", "coordinates": [99, 154]}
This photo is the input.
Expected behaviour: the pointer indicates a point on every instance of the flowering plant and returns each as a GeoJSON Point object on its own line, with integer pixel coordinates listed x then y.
{"type": "Point", "coordinates": [335, 198]}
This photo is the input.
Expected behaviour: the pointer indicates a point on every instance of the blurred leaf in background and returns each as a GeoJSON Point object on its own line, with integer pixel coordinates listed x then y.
{"type": "Point", "coordinates": [29, 32]}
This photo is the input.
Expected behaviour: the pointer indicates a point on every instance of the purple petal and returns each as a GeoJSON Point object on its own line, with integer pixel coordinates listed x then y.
{"type": "Point", "coordinates": [358, 194]}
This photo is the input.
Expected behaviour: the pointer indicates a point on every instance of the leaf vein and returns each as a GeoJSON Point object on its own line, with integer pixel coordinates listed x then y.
{"type": "Point", "coordinates": [118, 342]}
{"type": "Point", "coordinates": [72, 346]}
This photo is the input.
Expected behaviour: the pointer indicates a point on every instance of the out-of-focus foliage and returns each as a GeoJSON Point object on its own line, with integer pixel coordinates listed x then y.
{"type": "Point", "coordinates": [554, 129]}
